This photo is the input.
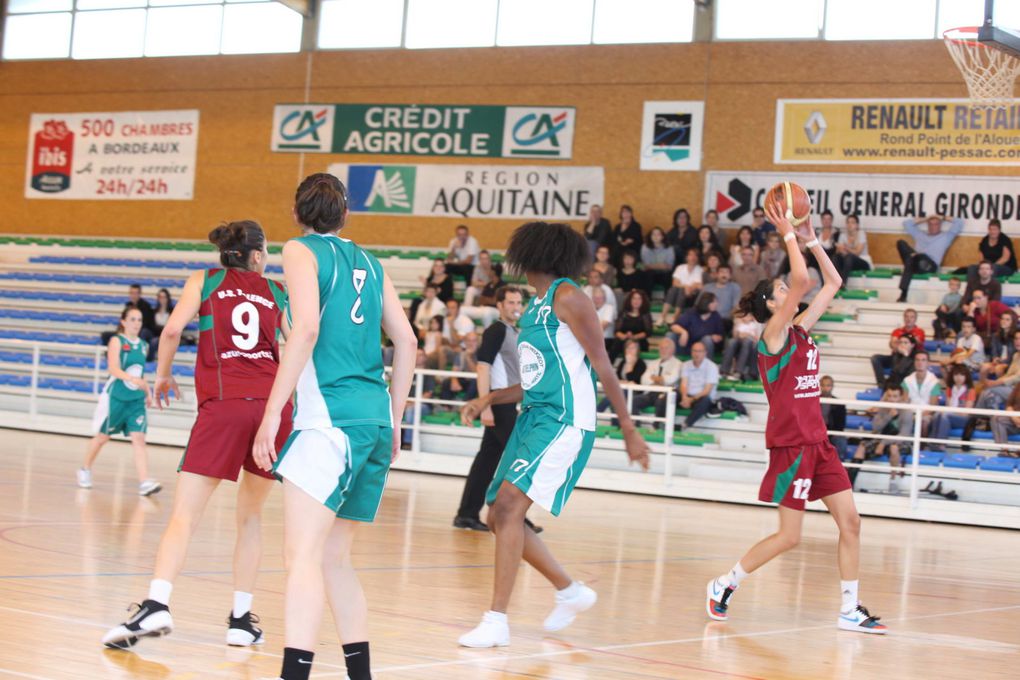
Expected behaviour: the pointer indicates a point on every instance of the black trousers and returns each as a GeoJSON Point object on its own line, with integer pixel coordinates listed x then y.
{"type": "Point", "coordinates": [913, 263]}
{"type": "Point", "coordinates": [483, 469]}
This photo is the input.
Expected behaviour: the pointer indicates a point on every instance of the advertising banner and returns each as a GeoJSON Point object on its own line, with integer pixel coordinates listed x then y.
{"type": "Point", "coordinates": [124, 155]}
{"type": "Point", "coordinates": [883, 201]}
{"type": "Point", "coordinates": [936, 132]}
{"type": "Point", "coordinates": [494, 191]}
{"type": "Point", "coordinates": [425, 130]}
{"type": "Point", "coordinates": [671, 135]}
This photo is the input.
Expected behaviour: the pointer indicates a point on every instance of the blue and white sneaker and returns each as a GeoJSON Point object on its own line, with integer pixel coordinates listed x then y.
{"type": "Point", "coordinates": [861, 620]}
{"type": "Point", "coordinates": [718, 600]}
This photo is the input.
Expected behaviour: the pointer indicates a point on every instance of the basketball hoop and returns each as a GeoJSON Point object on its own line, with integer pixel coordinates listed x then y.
{"type": "Point", "coordinates": [989, 72]}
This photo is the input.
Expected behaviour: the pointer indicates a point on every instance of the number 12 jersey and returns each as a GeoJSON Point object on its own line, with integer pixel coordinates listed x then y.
{"type": "Point", "coordinates": [790, 378]}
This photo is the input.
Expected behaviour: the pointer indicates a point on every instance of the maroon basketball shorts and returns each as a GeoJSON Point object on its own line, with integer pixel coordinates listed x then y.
{"type": "Point", "coordinates": [223, 435]}
{"type": "Point", "coordinates": [798, 474]}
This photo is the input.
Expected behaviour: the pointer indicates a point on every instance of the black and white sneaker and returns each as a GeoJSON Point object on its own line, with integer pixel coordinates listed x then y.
{"type": "Point", "coordinates": [242, 632]}
{"type": "Point", "coordinates": [150, 619]}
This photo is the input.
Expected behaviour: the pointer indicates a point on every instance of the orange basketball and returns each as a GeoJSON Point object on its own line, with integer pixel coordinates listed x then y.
{"type": "Point", "coordinates": [791, 200]}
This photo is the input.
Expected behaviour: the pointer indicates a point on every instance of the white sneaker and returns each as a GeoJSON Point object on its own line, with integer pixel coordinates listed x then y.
{"type": "Point", "coordinates": [149, 487]}
{"type": "Point", "coordinates": [84, 478]}
{"type": "Point", "coordinates": [567, 608]}
{"type": "Point", "coordinates": [493, 631]}
{"type": "Point", "coordinates": [860, 620]}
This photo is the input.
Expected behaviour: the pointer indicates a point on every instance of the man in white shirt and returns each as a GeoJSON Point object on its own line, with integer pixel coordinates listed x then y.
{"type": "Point", "coordinates": [698, 380]}
{"type": "Point", "coordinates": [457, 324]}
{"type": "Point", "coordinates": [663, 372]}
{"type": "Point", "coordinates": [595, 280]}
{"type": "Point", "coordinates": [430, 306]}
{"type": "Point", "coordinates": [606, 313]}
{"type": "Point", "coordinates": [463, 253]}
{"type": "Point", "coordinates": [921, 387]}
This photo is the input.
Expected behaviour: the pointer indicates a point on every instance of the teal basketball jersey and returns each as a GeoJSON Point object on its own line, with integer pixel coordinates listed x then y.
{"type": "Point", "coordinates": [556, 375]}
{"type": "Point", "coordinates": [132, 362]}
{"type": "Point", "coordinates": [343, 382]}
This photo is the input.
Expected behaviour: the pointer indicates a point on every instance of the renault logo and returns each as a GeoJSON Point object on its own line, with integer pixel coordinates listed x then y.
{"type": "Point", "coordinates": [815, 126]}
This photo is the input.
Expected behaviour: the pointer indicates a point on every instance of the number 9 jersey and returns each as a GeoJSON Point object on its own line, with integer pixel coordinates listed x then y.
{"type": "Point", "coordinates": [239, 325]}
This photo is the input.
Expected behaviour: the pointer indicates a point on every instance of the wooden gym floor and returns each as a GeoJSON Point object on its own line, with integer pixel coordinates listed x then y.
{"type": "Point", "coordinates": [72, 560]}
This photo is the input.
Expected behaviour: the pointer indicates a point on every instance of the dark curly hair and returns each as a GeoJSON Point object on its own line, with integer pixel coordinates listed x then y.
{"type": "Point", "coordinates": [321, 203]}
{"type": "Point", "coordinates": [236, 241]}
{"type": "Point", "coordinates": [554, 249]}
{"type": "Point", "coordinates": [754, 302]}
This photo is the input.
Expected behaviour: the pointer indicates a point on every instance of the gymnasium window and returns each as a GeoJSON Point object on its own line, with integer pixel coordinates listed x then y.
{"type": "Point", "coordinates": [360, 24]}
{"type": "Point", "coordinates": [450, 23]}
{"type": "Point", "coordinates": [773, 20]}
{"type": "Point", "coordinates": [110, 29]}
{"type": "Point", "coordinates": [643, 21]}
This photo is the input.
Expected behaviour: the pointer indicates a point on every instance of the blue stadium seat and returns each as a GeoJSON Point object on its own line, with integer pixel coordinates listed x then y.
{"type": "Point", "coordinates": [967, 461]}
{"type": "Point", "coordinates": [858, 422]}
{"type": "Point", "coordinates": [1000, 464]}
{"type": "Point", "coordinates": [872, 394]}
{"type": "Point", "coordinates": [930, 458]}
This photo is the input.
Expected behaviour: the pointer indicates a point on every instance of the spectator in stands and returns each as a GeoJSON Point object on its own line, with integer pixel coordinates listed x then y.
{"type": "Point", "coordinates": [164, 307]}
{"type": "Point", "coordinates": [745, 239]}
{"type": "Point", "coordinates": [996, 390]}
{"type": "Point", "coordinates": [688, 279]}
{"type": "Point", "coordinates": [921, 388]}
{"type": "Point", "coordinates": [885, 421]}
{"type": "Point", "coordinates": [749, 273]}
{"type": "Point", "coordinates": [457, 325]}
{"type": "Point", "coordinates": [711, 268]}
{"type": "Point", "coordinates": [949, 313]}
{"type": "Point", "coordinates": [682, 236]}
{"type": "Point", "coordinates": [984, 281]}
{"type": "Point", "coordinates": [852, 249]}
{"type": "Point", "coordinates": [708, 242]}
{"type": "Point", "coordinates": [463, 253]}
{"type": "Point", "coordinates": [727, 295]}
{"type": "Point", "coordinates": [427, 392]}
{"type": "Point", "coordinates": [999, 347]}
{"type": "Point", "coordinates": [630, 276]}
{"type": "Point", "coordinates": [604, 266]}
{"type": "Point", "coordinates": [761, 227]}
{"type": "Point", "coordinates": [634, 324]}
{"type": "Point", "coordinates": [148, 332]}
{"type": "Point", "coordinates": [464, 359]}
{"type": "Point", "coordinates": [740, 355]}
{"type": "Point", "coordinates": [997, 248]}
{"type": "Point", "coordinates": [595, 281]}
{"type": "Point", "coordinates": [658, 258]}
{"type": "Point", "coordinates": [834, 416]}
{"type": "Point", "coordinates": [606, 314]}
{"type": "Point", "coordinates": [438, 277]}
{"type": "Point", "coordinates": [662, 372]}
{"type": "Point", "coordinates": [437, 352]}
{"type": "Point", "coordinates": [597, 230]}
{"type": "Point", "coordinates": [959, 394]}
{"type": "Point", "coordinates": [773, 256]}
{"type": "Point", "coordinates": [987, 314]}
{"type": "Point", "coordinates": [828, 235]}
{"type": "Point", "coordinates": [712, 222]}
{"type": "Point", "coordinates": [929, 247]}
{"type": "Point", "coordinates": [701, 323]}
{"type": "Point", "coordinates": [627, 235]}
{"type": "Point", "coordinates": [698, 380]}
{"type": "Point", "coordinates": [901, 361]}
{"type": "Point", "coordinates": [970, 348]}
{"type": "Point", "coordinates": [880, 363]}
{"type": "Point", "coordinates": [1005, 426]}
{"type": "Point", "coordinates": [484, 275]}
{"type": "Point", "coordinates": [629, 368]}
{"type": "Point", "coordinates": [431, 306]}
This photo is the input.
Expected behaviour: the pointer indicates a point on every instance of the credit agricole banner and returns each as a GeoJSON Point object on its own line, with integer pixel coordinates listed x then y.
{"type": "Point", "coordinates": [425, 130]}
{"type": "Point", "coordinates": [934, 132]}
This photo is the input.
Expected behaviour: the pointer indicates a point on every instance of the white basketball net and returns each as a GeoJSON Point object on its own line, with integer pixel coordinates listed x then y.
{"type": "Point", "coordinates": [990, 73]}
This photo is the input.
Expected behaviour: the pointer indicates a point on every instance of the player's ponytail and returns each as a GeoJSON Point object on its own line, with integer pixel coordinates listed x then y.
{"type": "Point", "coordinates": [755, 302]}
{"type": "Point", "coordinates": [236, 241]}
{"type": "Point", "coordinates": [321, 203]}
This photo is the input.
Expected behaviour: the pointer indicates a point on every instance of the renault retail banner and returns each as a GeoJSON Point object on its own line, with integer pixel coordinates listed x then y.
{"type": "Point", "coordinates": [427, 130]}
{"type": "Point", "coordinates": [126, 155]}
{"type": "Point", "coordinates": [936, 132]}
{"type": "Point", "coordinates": [504, 191]}
{"type": "Point", "coordinates": [882, 201]}
{"type": "Point", "coordinates": [671, 135]}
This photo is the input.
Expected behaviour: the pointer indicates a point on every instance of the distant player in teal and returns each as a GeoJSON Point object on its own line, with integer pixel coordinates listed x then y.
{"type": "Point", "coordinates": [121, 407]}
{"type": "Point", "coordinates": [346, 423]}
{"type": "Point", "coordinates": [560, 349]}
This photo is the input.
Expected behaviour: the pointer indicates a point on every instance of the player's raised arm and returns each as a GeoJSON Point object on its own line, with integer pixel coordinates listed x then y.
{"type": "Point", "coordinates": [831, 280]}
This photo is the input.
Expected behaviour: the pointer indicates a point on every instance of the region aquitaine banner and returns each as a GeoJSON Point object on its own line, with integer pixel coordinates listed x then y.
{"type": "Point", "coordinates": [882, 200]}
{"type": "Point", "coordinates": [523, 192]}
{"type": "Point", "coordinates": [936, 132]}
{"type": "Point", "coordinates": [545, 132]}
{"type": "Point", "coordinates": [121, 155]}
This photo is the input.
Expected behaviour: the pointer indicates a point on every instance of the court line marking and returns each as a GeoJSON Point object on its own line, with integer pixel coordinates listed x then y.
{"type": "Point", "coordinates": [17, 674]}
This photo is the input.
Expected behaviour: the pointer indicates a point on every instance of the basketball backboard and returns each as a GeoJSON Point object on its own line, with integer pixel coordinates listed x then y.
{"type": "Point", "coordinates": [1001, 26]}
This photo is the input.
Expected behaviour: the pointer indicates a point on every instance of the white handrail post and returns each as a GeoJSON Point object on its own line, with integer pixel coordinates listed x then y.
{"type": "Point", "coordinates": [419, 381]}
{"type": "Point", "coordinates": [915, 459]}
{"type": "Point", "coordinates": [95, 371]}
{"type": "Point", "coordinates": [33, 389]}
{"type": "Point", "coordinates": [670, 427]}
{"type": "Point", "coordinates": [629, 389]}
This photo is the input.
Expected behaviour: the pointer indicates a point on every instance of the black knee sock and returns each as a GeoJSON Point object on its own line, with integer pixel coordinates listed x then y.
{"type": "Point", "coordinates": [297, 664]}
{"type": "Point", "coordinates": [356, 658]}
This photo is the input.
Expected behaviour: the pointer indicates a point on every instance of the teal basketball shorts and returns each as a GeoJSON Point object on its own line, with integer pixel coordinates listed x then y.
{"type": "Point", "coordinates": [115, 416]}
{"type": "Point", "coordinates": [344, 469]}
{"type": "Point", "coordinates": [544, 458]}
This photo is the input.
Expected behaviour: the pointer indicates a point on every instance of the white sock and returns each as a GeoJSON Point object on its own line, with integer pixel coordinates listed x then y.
{"type": "Point", "coordinates": [496, 617]}
{"type": "Point", "coordinates": [849, 589]}
{"type": "Point", "coordinates": [570, 591]}
{"type": "Point", "coordinates": [736, 575]}
{"type": "Point", "coordinates": [242, 603]}
{"type": "Point", "coordinates": [159, 590]}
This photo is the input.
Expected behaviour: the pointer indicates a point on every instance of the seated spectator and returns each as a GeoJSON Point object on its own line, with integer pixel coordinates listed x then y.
{"type": "Point", "coordinates": [436, 351]}
{"type": "Point", "coordinates": [929, 247]}
{"type": "Point", "coordinates": [595, 281]}
{"type": "Point", "coordinates": [999, 347]}
{"type": "Point", "coordinates": [463, 253]}
{"type": "Point", "coordinates": [698, 380]}
{"type": "Point", "coordinates": [457, 324]}
{"type": "Point", "coordinates": [745, 239]}
{"type": "Point", "coordinates": [828, 234]}
{"type": "Point", "coordinates": [708, 242]}
{"type": "Point", "coordinates": [887, 421]}
{"type": "Point", "coordinates": [880, 363]}
{"type": "Point", "coordinates": [726, 292]}
{"type": "Point", "coordinates": [630, 277]}
{"type": "Point", "coordinates": [740, 354]}
{"type": "Point", "coordinates": [430, 307]}
{"type": "Point", "coordinates": [427, 392]}
{"type": "Point", "coordinates": [148, 332]}
{"type": "Point", "coordinates": [983, 280]}
{"type": "Point", "coordinates": [970, 348]}
{"type": "Point", "coordinates": [688, 279]}
{"type": "Point", "coordinates": [438, 277]}
{"type": "Point", "coordinates": [604, 266]}
{"type": "Point", "coordinates": [629, 367]}
{"type": "Point", "coordinates": [635, 323]}
{"type": "Point", "coordinates": [773, 256]}
{"type": "Point", "coordinates": [761, 227]}
{"type": "Point", "coordinates": [682, 236]}
{"type": "Point", "coordinates": [987, 314]}
{"type": "Point", "coordinates": [713, 262]}
{"type": "Point", "coordinates": [959, 394]}
{"type": "Point", "coordinates": [712, 222]}
{"type": "Point", "coordinates": [597, 230]}
{"type": "Point", "coordinates": [949, 313]}
{"type": "Point", "coordinates": [627, 235]}
{"type": "Point", "coordinates": [901, 361]}
{"type": "Point", "coordinates": [921, 388]}
{"type": "Point", "coordinates": [997, 249]}
{"type": "Point", "coordinates": [465, 360]}
{"type": "Point", "coordinates": [657, 258]}
{"type": "Point", "coordinates": [701, 323]}
{"type": "Point", "coordinates": [834, 416]}
{"type": "Point", "coordinates": [996, 390]}
{"type": "Point", "coordinates": [749, 273]}
{"type": "Point", "coordinates": [663, 372]}
{"type": "Point", "coordinates": [852, 249]}
{"type": "Point", "coordinates": [606, 314]}
{"type": "Point", "coordinates": [484, 277]}
{"type": "Point", "coordinates": [164, 307]}
{"type": "Point", "coordinates": [1007, 425]}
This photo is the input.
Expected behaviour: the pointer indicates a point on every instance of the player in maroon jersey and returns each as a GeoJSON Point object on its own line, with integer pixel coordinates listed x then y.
{"type": "Point", "coordinates": [240, 315]}
{"type": "Point", "coordinates": [803, 465]}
